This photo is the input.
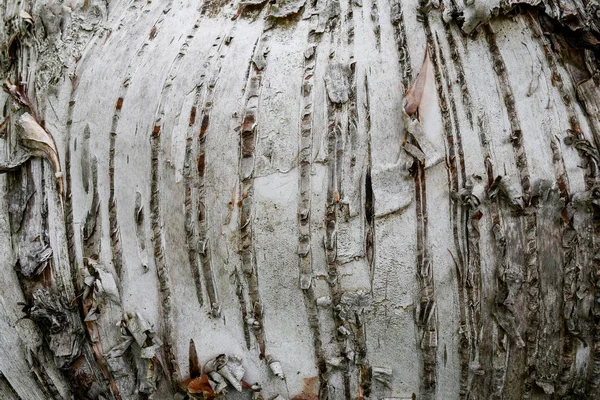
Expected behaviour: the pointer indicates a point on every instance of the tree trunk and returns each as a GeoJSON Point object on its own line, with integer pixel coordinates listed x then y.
{"type": "Point", "coordinates": [324, 199]}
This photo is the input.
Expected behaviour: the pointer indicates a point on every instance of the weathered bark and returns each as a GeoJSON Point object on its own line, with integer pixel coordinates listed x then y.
{"type": "Point", "coordinates": [307, 199]}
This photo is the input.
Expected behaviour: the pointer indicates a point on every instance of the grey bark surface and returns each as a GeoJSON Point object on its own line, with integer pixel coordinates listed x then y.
{"type": "Point", "coordinates": [324, 199]}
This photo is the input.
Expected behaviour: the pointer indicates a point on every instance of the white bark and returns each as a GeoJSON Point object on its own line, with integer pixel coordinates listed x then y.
{"type": "Point", "coordinates": [244, 176]}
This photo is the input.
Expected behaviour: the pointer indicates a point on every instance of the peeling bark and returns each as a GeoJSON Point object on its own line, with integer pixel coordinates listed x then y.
{"type": "Point", "coordinates": [276, 166]}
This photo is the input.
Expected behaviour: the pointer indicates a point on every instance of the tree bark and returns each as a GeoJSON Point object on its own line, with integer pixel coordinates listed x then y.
{"type": "Point", "coordinates": [296, 199]}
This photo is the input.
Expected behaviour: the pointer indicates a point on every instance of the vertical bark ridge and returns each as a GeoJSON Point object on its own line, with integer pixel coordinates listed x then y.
{"type": "Point", "coordinates": [162, 267]}
{"type": "Point", "coordinates": [369, 194]}
{"type": "Point", "coordinates": [531, 256]}
{"type": "Point", "coordinates": [469, 213]}
{"type": "Point", "coordinates": [304, 221]}
{"type": "Point", "coordinates": [426, 311]}
{"type": "Point", "coordinates": [397, 20]}
{"type": "Point", "coordinates": [460, 73]}
{"type": "Point", "coordinates": [338, 94]}
{"type": "Point", "coordinates": [568, 333]}
{"type": "Point", "coordinates": [248, 137]}
{"type": "Point", "coordinates": [455, 183]}
{"type": "Point", "coordinates": [68, 214]}
{"type": "Point", "coordinates": [190, 231]}
{"type": "Point", "coordinates": [240, 281]}
{"type": "Point", "coordinates": [375, 22]}
{"type": "Point", "coordinates": [359, 328]}
{"type": "Point", "coordinates": [205, 253]}
{"type": "Point", "coordinates": [91, 246]}
{"type": "Point", "coordinates": [334, 152]}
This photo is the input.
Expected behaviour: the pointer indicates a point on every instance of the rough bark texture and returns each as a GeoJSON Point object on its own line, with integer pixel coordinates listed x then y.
{"type": "Point", "coordinates": [295, 199]}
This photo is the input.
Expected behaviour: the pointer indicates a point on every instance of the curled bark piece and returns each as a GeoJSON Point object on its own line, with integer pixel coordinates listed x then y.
{"type": "Point", "coordinates": [220, 382]}
{"type": "Point", "coordinates": [36, 138]}
{"type": "Point", "coordinates": [412, 98]}
{"type": "Point", "coordinates": [414, 151]}
{"type": "Point", "coordinates": [276, 369]}
{"type": "Point", "coordinates": [285, 8]}
{"type": "Point", "coordinates": [200, 385]}
{"type": "Point", "coordinates": [36, 260]}
{"type": "Point", "coordinates": [17, 93]}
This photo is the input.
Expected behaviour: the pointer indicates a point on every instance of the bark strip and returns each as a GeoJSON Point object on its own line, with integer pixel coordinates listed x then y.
{"type": "Point", "coordinates": [334, 154]}
{"type": "Point", "coordinates": [132, 66]}
{"type": "Point", "coordinates": [531, 253]}
{"type": "Point", "coordinates": [165, 285]}
{"type": "Point", "coordinates": [248, 136]}
{"type": "Point", "coordinates": [456, 183]}
{"type": "Point", "coordinates": [397, 20]}
{"type": "Point", "coordinates": [460, 73]}
{"type": "Point", "coordinates": [304, 202]}
{"type": "Point", "coordinates": [197, 243]}
{"type": "Point", "coordinates": [375, 22]}
{"type": "Point", "coordinates": [426, 312]}
{"type": "Point", "coordinates": [504, 321]}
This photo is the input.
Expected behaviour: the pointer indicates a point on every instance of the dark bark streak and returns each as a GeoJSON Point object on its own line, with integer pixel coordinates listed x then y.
{"type": "Point", "coordinates": [426, 312]}
{"type": "Point", "coordinates": [397, 20]}
{"type": "Point", "coordinates": [369, 195]}
{"type": "Point", "coordinates": [375, 22]}
{"type": "Point", "coordinates": [334, 114]}
{"type": "Point", "coordinates": [460, 73]}
{"type": "Point", "coordinates": [115, 236]}
{"type": "Point", "coordinates": [162, 268]}
{"type": "Point", "coordinates": [499, 348]}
